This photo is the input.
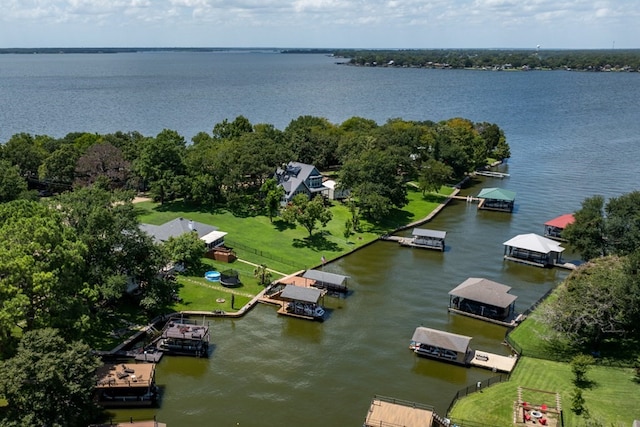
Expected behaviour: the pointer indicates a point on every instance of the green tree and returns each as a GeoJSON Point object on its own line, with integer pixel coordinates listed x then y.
{"type": "Point", "coordinates": [49, 382]}
{"type": "Point", "coordinates": [41, 269]}
{"type": "Point", "coordinates": [434, 174]}
{"type": "Point", "coordinates": [160, 165]}
{"type": "Point", "coordinates": [577, 402]}
{"type": "Point", "coordinates": [186, 249]}
{"type": "Point", "coordinates": [273, 194]}
{"type": "Point", "coordinates": [59, 167]}
{"type": "Point", "coordinates": [24, 150]}
{"type": "Point", "coordinates": [597, 303]}
{"type": "Point", "coordinates": [262, 273]}
{"type": "Point", "coordinates": [587, 233]}
{"type": "Point", "coordinates": [622, 223]}
{"type": "Point", "coordinates": [307, 213]}
{"type": "Point", "coordinates": [12, 185]}
{"type": "Point", "coordinates": [117, 248]}
{"type": "Point", "coordinates": [231, 130]}
{"type": "Point", "coordinates": [580, 365]}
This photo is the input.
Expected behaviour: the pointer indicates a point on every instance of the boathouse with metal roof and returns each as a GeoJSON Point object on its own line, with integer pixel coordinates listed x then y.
{"type": "Point", "coordinates": [483, 299]}
{"type": "Point", "coordinates": [324, 280]}
{"type": "Point", "coordinates": [553, 228]}
{"type": "Point", "coordinates": [440, 345]}
{"type": "Point", "coordinates": [496, 199]}
{"type": "Point", "coordinates": [533, 249]}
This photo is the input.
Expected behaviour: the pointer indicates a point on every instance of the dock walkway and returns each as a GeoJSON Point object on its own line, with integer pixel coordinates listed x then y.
{"type": "Point", "coordinates": [495, 362]}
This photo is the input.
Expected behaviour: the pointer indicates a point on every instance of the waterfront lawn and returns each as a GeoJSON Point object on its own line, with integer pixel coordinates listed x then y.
{"type": "Point", "coordinates": [612, 397]}
{"type": "Point", "coordinates": [289, 249]}
{"type": "Point", "coordinates": [199, 294]}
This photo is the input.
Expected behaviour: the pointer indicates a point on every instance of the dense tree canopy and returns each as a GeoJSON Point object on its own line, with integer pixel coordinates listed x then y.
{"type": "Point", "coordinates": [49, 382]}
{"type": "Point", "coordinates": [599, 301]}
{"type": "Point", "coordinates": [600, 229]}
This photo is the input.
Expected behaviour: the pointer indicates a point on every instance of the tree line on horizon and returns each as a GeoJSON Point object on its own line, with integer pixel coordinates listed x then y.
{"type": "Point", "coordinates": [532, 59]}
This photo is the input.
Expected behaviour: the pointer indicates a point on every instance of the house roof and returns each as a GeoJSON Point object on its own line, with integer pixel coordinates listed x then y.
{"type": "Point", "coordinates": [562, 221]}
{"type": "Point", "coordinates": [294, 175]}
{"type": "Point", "coordinates": [176, 227]}
{"type": "Point", "coordinates": [213, 236]}
{"type": "Point", "coordinates": [535, 243]}
{"type": "Point", "coordinates": [497, 194]}
{"type": "Point", "coordinates": [484, 291]}
{"type": "Point", "coordinates": [324, 277]}
{"type": "Point", "coordinates": [446, 340]}
{"type": "Point", "coordinates": [423, 232]}
{"type": "Point", "coordinates": [297, 293]}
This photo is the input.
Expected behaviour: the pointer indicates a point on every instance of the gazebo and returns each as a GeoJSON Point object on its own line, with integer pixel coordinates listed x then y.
{"type": "Point", "coordinates": [533, 249]}
{"type": "Point", "coordinates": [496, 199]}
{"type": "Point", "coordinates": [482, 298]}
{"type": "Point", "coordinates": [553, 229]}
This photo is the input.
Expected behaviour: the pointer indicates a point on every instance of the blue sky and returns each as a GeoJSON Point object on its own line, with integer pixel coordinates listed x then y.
{"type": "Point", "coordinates": [570, 24]}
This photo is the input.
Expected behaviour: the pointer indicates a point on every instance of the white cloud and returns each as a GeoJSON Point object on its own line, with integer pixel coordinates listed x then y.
{"type": "Point", "coordinates": [462, 23]}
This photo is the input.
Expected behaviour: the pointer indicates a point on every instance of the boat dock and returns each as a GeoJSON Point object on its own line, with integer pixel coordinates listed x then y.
{"type": "Point", "coordinates": [492, 174]}
{"type": "Point", "coordinates": [495, 362]}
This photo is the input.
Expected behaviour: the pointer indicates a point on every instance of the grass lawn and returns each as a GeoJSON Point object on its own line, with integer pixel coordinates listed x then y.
{"type": "Point", "coordinates": [612, 397]}
{"type": "Point", "coordinates": [199, 294]}
{"type": "Point", "coordinates": [288, 249]}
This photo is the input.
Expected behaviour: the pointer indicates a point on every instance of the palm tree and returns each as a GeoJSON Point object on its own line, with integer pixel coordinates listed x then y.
{"type": "Point", "coordinates": [262, 274]}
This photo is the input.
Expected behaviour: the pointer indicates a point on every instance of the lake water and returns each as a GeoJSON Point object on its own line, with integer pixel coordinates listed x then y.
{"type": "Point", "coordinates": [572, 135]}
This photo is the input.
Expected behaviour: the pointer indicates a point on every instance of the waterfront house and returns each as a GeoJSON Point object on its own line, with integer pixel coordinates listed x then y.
{"type": "Point", "coordinates": [212, 237]}
{"type": "Point", "coordinates": [126, 385]}
{"type": "Point", "coordinates": [323, 280]}
{"type": "Point", "coordinates": [553, 228]}
{"type": "Point", "coordinates": [483, 299]}
{"type": "Point", "coordinates": [299, 178]}
{"type": "Point", "coordinates": [386, 411]}
{"type": "Point", "coordinates": [441, 345]}
{"type": "Point", "coordinates": [496, 199]}
{"type": "Point", "coordinates": [534, 250]}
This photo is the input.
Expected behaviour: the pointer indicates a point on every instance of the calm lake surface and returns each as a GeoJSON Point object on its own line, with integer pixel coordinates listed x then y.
{"type": "Point", "coordinates": [572, 135]}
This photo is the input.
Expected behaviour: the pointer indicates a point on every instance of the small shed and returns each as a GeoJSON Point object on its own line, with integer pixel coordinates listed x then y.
{"type": "Point", "coordinates": [329, 281]}
{"type": "Point", "coordinates": [484, 298]}
{"type": "Point", "coordinates": [433, 239]}
{"type": "Point", "coordinates": [441, 345]}
{"type": "Point", "coordinates": [533, 249]}
{"type": "Point", "coordinates": [553, 229]}
{"type": "Point", "coordinates": [497, 199]}
{"type": "Point", "coordinates": [334, 192]}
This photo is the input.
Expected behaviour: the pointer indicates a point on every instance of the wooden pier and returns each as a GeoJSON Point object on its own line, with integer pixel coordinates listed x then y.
{"type": "Point", "coordinates": [492, 174]}
{"type": "Point", "coordinates": [495, 362]}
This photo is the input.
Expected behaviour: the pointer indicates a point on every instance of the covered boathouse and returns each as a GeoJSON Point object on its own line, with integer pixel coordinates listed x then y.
{"type": "Point", "coordinates": [483, 299]}
{"type": "Point", "coordinates": [533, 249]}
{"type": "Point", "coordinates": [185, 337]}
{"type": "Point", "coordinates": [330, 281]}
{"type": "Point", "coordinates": [424, 238]}
{"type": "Point", "coordinates": [553, 229]}
{"type": "Point", "coordinates": [441, 345]}
{"type": "Point", "coordinates": [496, 199]}
{"type": "Point", "coordinates": [302, 302]}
